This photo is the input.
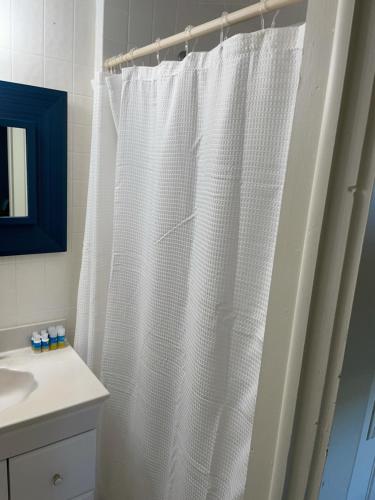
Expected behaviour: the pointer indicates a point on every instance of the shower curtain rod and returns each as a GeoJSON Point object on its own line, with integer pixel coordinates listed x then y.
{"type": "Point", "coordinates": [191, 32]}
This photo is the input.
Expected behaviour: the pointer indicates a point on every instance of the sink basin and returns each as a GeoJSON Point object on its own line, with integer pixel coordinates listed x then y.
{"type": "Point", "coordinates": [15, 386]}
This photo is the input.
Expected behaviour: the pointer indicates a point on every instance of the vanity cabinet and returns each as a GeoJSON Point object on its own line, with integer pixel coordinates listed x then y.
{"type": "Point", "coordinates": [48, 439]}
{"type": "Point", "coordinates": [61, 471]}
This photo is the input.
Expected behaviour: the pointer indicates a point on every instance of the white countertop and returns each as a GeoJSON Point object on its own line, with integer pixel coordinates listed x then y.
{"type": "Point", "coordinates": [64, 383]}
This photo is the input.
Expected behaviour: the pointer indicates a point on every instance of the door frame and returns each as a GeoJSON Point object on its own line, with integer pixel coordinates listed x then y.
{"type": "Point", "coordinates": [346, 215]}
{"type": "Point", "coordinates": [322, 222]}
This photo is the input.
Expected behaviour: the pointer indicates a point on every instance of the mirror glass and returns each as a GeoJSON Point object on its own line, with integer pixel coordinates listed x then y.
{"type": "Point", "coordinates": [13, 172]}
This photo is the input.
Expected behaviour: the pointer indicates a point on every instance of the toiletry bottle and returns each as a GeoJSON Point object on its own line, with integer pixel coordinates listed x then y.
{"type": "Point", "coordinates": [60, 337]}
{"type": "Point", "coordinates": [52, 331]}
{"type": "Point", "coordinates": [34, 334]}
{"type": "Point", "coordinates": [45, 341]}
{"type": "Point", "coordinates": [37, 342]}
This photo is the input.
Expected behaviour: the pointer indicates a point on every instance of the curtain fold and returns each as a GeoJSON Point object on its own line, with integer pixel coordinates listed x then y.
{"type": "Point", "coordinates": [97, 245]}
{"type": "Point", "coordinates": [180, 262]}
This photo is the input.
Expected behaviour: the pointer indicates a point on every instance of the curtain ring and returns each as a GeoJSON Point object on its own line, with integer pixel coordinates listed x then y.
{"type": "Point", "coordinates": [111, 69]}
{"type": "Point", "coordinates": [123, 65]}
{"type": "Point", "coordinates": [262, 10]}
{"type": "Point", "coordinates": [131, 53]}
{"type": "Point", "coordinates": [118, 64]}
{"type": "Point", "coordinates": [273, 24]}
{"type": "Point", "coordinates": [188, 32]}
{"type": "Point", "coordinates": [157, 41]}
{"type": "Point", "coordinates": [224, 24]}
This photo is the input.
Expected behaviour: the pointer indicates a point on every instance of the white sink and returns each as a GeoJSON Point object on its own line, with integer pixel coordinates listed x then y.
{"type": "Point", "coordinates": [40, 387]}
{"type": "Point", "coordinates": [15, 386]}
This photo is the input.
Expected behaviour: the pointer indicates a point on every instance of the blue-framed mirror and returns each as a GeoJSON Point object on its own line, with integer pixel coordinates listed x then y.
{"type": "Point", "coordinates": [33, 169]}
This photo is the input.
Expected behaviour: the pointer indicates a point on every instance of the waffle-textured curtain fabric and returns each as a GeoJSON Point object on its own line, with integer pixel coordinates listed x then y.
{"type": "Point", "coordinates": [187, 172]}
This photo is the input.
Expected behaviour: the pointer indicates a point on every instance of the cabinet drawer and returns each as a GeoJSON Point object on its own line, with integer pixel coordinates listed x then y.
{"type": "Point", "coordinates": [61, 471]}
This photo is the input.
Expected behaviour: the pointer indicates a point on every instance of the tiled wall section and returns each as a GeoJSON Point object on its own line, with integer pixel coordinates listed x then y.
{"type": "Point", "coordinates": [134, 23]}
{"type": "Point", "coordinates": [50, 43]}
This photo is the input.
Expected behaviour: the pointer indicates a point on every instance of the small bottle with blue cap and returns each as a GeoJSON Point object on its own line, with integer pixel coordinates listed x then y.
{"type": "Point", "coordinates": [36, 342]}
{"type": "Point", "coordinates": [52, 332]}
{"type": "Point", "coordinates": [45, 340]}
{"type": "Point", "coordinates": [60, 336]}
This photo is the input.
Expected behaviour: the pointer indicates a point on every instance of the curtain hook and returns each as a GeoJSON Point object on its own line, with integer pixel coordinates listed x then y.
{"type": "Point", "coordinates": [262, 9]}
{"type": "Point", "coordinates": [224, 24]}
{"type": "Point", "coordinates": [273, 24]}
{"type": "Point", "coordinates": [188, 32]}
{"type": "Point", "coordinates": [112, 65]}
{"type": "Point", "coordinates": [157, 41]}
{"type": "Point", "coordinates": [124, 61]}
{"type": "Point", "coordinates": [131, 54]}
{"type": "Point", "coordinates": [118, 64]}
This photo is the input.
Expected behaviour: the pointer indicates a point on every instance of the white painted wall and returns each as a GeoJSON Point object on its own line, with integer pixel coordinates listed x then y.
{"type": "Point", "coordinates": [134, 23]}
{"type": "Point", "coordinates": [50, 43]}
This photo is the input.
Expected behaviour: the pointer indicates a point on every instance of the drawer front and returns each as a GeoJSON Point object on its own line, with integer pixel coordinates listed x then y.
{"type": "Point", "coordinates": [60, 471]}
{"type": "Point", "coordinates": [3, 480]}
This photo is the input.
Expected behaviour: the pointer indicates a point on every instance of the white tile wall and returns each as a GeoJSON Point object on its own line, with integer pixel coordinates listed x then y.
{"type": "Point", "coordinates": [58, 74]}
{"type": "Point", "coordinates": [133, 23]}
{"type": "Point", "coordinates": [5, 26]}
{"type": "Point", "coordinates": [50, 43]}
{"type": "Point", "coordinates": [5, 63]}
{"type": "Point", "coordinates": [84, 39]}
{"type": "Point", "coordinates": [59, 29]}
{"type": "Point", "coordinates": [27, 68]}
{"type": "Point", "coordinates": [27, 26]}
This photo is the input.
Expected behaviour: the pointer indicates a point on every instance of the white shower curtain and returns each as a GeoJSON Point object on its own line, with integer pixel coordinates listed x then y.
{"type": "Point", "coordinates": [177, 261]}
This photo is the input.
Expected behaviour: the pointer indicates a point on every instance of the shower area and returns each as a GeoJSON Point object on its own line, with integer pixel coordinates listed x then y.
{"type": "Point", "coordinates": [205, 208]}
